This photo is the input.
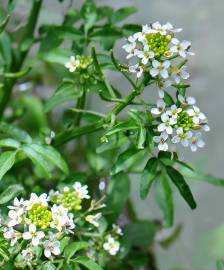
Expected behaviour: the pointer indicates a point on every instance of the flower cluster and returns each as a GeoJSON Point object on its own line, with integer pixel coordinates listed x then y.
{"type": "Point", "coordinates": [78, 63]}
{"type": "Point", "coordinates": [43, 221]}
{"type": "Point", "coordinates": [156, 50]}
{"type": "Point", "coordinates": [179, 123]}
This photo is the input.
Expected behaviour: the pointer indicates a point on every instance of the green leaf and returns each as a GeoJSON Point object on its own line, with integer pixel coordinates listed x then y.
{"type": "Point", "coordinates": [10, 193]}
{"type": "Point", "coordinates": [7, 160]}
{"type": "Point", "coordinates": [111, 34]}
{"type": "Point", "coordinates": [72, 248]}
{"type": "Point", "coordinates": [41, 163]}
{"type": "Point", "coordinates": [68, 135]}
{"type": "Point", "coordinates": [123, 126]}
{"type": "Point", "coordinates": [220, 265]}
{"type": "Point", "coordinates": [87, 263]}
{"type": "Point", "coordinates": [127, 160]}
{"type": "Point", "coordinates": [57, 55]}
{"type": "Point", "coordinates": [118, 193]}
{"type": "Point", "coordinates": [148, 176]}
{"type": "Point", "coordinates": [168, 99]}
{"type": "Point", "coordinates": [52, 155]}
{"type": "Point", "coordinates": [122, 14]}
{"type": "Point", "coordinates": [67, 91]}
{"type": "Point", "coordinates": [141, 137]}
{"type": "Point", "coordinates": [89, 13]}
{"type": "Point", "coordinates": [164, 199]}
{"type": "Point", "coordinates": [9, 143]}
{"type": "Point", "coordinates": [183, 187]}
{"type": "Point", "coordinates": [203, 177]}
{"type": "Point", "coordinates": [4, 23]}
{"type": "Point", "coordinates": [6, 48]}
{"type": "Point", "coordinates": [140, 233]}
{"type": "Point", "coordinates": [48, 266]}
{"type": "Point", "coordinates": [114, 142]}
{"type": "Point", "coordinates": [15, 132]}
{"type": "Point", "coordinates": [129, 29]}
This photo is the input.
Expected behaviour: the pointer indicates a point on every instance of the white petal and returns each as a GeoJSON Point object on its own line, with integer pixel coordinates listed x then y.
{"type": "Point", "coordinates": [176, 139]}
{"type": "Point", "coordinates": [161, 127]}
{"type": "Point", "coordinates": [164, 74]}
{"type": "Point", "coordinates": [201, 143]}
{"type": "Point", "coordinates": [155, 111]}
{"type": "Point", "coordinates": [185, 142]}
{"type": "Point", "coordinates": [175, 41]}
{"type": "Point", "coordinates": [154, 72]}
{"type": "Point", "coordinates": [35, 241]}
{"type": "Point", "coordinates": [27, 235]}
{"type": "Point", "coordinates": [155, 63]}
{"type": "Point", "coordinates": [47, 253]}
{"type": "Point", "coordinates": [193, 148]}
{"type": "Point", "coordinates": [169, 130]}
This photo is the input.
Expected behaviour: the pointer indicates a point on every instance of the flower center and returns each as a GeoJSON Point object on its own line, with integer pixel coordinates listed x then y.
{"type": "Point", "coordinates": [69, 200]}
{"type": "Point", "coordinates": [40, 216]}
{"type": "Point", "coordinates": [185, 121]}
{"type": "Point", "coordinates": [158, 43]}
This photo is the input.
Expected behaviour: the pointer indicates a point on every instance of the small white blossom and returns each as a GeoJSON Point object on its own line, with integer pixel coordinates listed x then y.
{"type": "Point", "coordinates": [196, 142]}
{"type": "Point", "coordinates": [34, 199]}
{"type": "Point", "coordinates": [82, 191]}
{"type": "Point", "coordinates": [186, 100]}
{"type": "Point", "coordinates": [51, 247]}
{"type": "Point", "coordinates": [72, 64]}
{"type": "Point", "coordinates": [93, 219]}
{"type": "Point", "coordinates": [179, 74]}
{"type": "Point", "coordinates": [111, 246]}
{"type": "Point", "coordinates": [161, 105]}
{"type": "Point", "coordinates": [174, 111]}
{"type": "Point", "coordinates": [130, 47]}
{"type": "Point", "coordinates": [197, 115]}
{"type": "Point", "coordinates": [182, 137]}
{"type": "Point", "coordinates": [158, 28]}
{"type": "Point", "coordinates": [145, 55]}
{"type": "Point", "coordinates": [181, 48]}
{"type": "Point", "coordinates": [33, 235]}
{"type": "Point", "coordinates": [117, 229]}
{"type": "Point", "coordinates": [28, 254]}
{"type": "Point", "coordinates": [136, 69]}
{"type": "Point", "coordinates": [162, 141]}
{"type": "Point", "coordinates": [15, 217]}
{"type": "Point", "coordinates": [17, 204]}
{"type": "Point", "coordinates": [12, 235]}
{"type": "Point", "coordinates": [167, 123]}
{"type": "Point", "coordinates": [160, 68]}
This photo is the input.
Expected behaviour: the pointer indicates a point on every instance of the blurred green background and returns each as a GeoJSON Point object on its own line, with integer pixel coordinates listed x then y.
{"type": "Point", "coordinates": [202, 239]}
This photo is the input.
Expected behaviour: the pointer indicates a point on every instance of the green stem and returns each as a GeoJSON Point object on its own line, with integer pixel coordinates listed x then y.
{"type": "Point", "coordinates": [80, 105]}
{"type": "Point", "coordinates": [15, 67]}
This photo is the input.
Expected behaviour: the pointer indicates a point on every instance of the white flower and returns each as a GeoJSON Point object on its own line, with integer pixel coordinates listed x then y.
{"type": "Point", "coordinates": [181, 48]}
{"type": "Point", "coordinates": [145, 55]}
{"type": "Point", "coordinates": [17, 204]}
{"type": "Point", "coordinates": [136, 69]}
{"type": "Point", "coordinates": [179, 74]}
{"type": "Point", "coordinates": [161, 140]}
{"type": "Point", "coordinates": [34, 199]}
{"type": "Point", "coordinates": [196, 142]}
{"type": "Point", "coordinates": [130, 48]}
{"type": "Point", "coordinates": [82, 191]}
{"type": "Point", "coordinates": [170, 28]}
{"type": "Point", "coordinates": [186, 100]}
{"type": "Point", "coordinates": [182, 137]}
{"type": "Point", "coordinates": [51, 247]}
{"type": "Point", "coordinates": [160, 107]}
{"type": "Point", "coordinates": [33, 235]}
{"type": "Point", "coordinates": [69, 225]}
{"type": "Point", "coordinates": [59, 216]}
{"type": "Point", "coordinates": [28, 254]}
{"type": "Point", "coordinates": [117, 229]}
{"type": "Point", "coordinates": [196, 114]}
{"type": "Point", "coordinates": [174, 111]}
{"type": "Point", "coordinates": [167, 123]}
{"type": "Point", "coordinates": [158, 28]}
{"type": "Point", "coordinates": [15, 217]}
{"type": "Point", "coordinates": [93, 219]}
{"type": "Point", "coordinates": [12, 235]}
{"type": "Point", "coordinates": [160, 69]}
{"type": "Point", "coordinates": [72, 64]}
{"type": "Point", "coordinates": [111, 246]}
